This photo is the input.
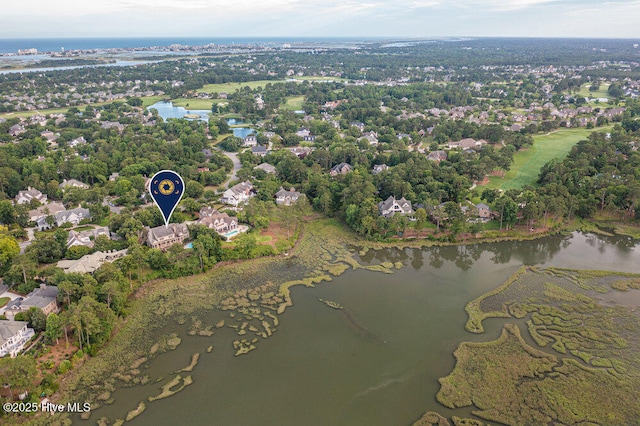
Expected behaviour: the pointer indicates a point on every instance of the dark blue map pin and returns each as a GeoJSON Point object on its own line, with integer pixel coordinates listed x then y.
{"type": "Point", "coordinates": [166, 188]}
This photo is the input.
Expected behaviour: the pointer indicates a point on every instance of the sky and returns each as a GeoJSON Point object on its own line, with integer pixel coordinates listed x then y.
{"type": "Point", "coordinates": [326, 18]}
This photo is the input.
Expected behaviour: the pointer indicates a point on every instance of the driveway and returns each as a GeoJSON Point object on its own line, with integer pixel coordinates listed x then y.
{"type": "Point", "coordinates": [30, 237]}
{"type": "Point", "coordinates": [237, 165]}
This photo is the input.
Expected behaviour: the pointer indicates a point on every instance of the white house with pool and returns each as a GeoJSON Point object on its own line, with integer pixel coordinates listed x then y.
{"type": "Point", "coordinates": [225, 225]}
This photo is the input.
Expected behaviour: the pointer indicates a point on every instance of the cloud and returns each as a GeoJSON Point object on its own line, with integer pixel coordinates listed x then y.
{"type": "Point", "coordinates": [251, 18]}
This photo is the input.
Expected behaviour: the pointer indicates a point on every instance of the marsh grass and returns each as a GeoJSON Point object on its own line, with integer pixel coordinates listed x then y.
{"type": "Point", "coordinates": [593, 374]}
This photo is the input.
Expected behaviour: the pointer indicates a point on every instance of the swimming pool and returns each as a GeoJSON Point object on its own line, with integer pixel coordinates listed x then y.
{"type": "Point", "coordinates": [231, 233]}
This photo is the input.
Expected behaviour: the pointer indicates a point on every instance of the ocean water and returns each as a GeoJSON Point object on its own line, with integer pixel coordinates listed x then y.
{"type": "Point", "coordinates": [55, 44]}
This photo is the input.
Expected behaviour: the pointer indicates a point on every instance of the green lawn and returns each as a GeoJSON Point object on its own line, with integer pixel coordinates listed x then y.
{"type": "Point", "coordinates": [150, 100]}
{"type": "Point", "coordinates": [527, 163]}
{"type": "Point", "coordinates": [202, 104]}
{"type": "Point", "coordinates": [293, 103]}
{"type": "Point", "coordinates": [232, 87]}
{"type": "Point", "coordinates": [317, 78]}
{"type": "Point", "coordinates": [602, 93]}
{"type": "Point", "coordinates": [4, 301]}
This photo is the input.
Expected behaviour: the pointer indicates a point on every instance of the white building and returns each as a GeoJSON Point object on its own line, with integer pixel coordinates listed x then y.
{"type": "Point", "coordinates": [13, 337]}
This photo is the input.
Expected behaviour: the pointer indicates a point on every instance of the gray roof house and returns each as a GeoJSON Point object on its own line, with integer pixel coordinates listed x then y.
{"type": "Point", "coordinates": [43, 297]}
{"type": "Point", "coordinates": [268, 168]}
{"type": "Point", "coordinates": [284, 197]}
{"type": "Point", "coordinates": [237, 194]}
{"type": "Point", "coordinates": [162, 237]}
{"type": "Point", "coordinates": [25, 197]}
{"type": "Point", "coordinates": [391, 206]}
{"type": "Point", "coordinates": [89, 263]}
{"type": "Point", "coordinates": [340, 169]}
{"type": "Point", "coordinates": [73, 216]}
{"type": "Point", "coordinates": [73, 183]}
{"type": "Point", "coordinates": [259, 150]}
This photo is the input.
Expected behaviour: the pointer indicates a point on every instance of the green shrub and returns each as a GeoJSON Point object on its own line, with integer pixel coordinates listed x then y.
{"type": "Point", "coordinates": [64, 367]}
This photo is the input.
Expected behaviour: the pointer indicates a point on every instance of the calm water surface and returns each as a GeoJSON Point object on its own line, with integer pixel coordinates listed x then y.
{"type": "Point", "coordinates": [375, 363]}
{"type": "Point", "coordinates": [167, 110]}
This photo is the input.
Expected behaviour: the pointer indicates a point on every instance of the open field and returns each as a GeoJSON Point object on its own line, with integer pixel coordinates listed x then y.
{"type": "Point", "coordinates": [232, 87]}
{"type": "Point", "coordinates": [601, 93]}
{"type": "Point", "coordinates": [201, 104]}
{"type": "Point", "coordinates": [293, 103]}
{"type": "Point", "coordinates": [527, 163]}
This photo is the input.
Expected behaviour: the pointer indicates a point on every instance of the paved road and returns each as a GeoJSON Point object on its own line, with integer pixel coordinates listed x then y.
{"type": "Point", "coordinates": [237, 165]}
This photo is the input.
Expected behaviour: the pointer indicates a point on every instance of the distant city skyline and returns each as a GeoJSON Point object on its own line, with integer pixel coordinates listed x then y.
{"type": "Point", "coordinates": [327, 18]}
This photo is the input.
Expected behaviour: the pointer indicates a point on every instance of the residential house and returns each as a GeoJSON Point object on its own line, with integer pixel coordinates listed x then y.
{"type": "Point", "coordinates": [437, 156]}
{"type": "Point", "coordinates": [45, 210]}
{"type": "Point", "coordinates": [284, 197]}
{"type": "Point", "coordinates": [222, 223]}
{"type": "Point", "coordinates": [466, 143]}
{"type": "Point", "coordinates": [391, 206]}
{"type": "Point", "coordinates": [73, 216]}
{"type": "Point", "coordinates": [72, 183]}
{"type": "Point", "coordinates": [89, 263]}
{"type": "Point", "coordinates": [162, 237]}
{"type": "Point", "coordinates": [77, 141]}
{"type": "Point", "coordinates": [250, 140]}
{"type": "Point", "coordinates": [301, 151]}
{"type": "Point", "coordinates": [302, 132]}
{"type": "Point", "coordinates": [13, 337]}
{"type": "Point", "coordinates": [16, 130]}
{"type": "Point", "coordinates": [340, 169]}
{"type": "Point", "coordinates": [238, 194]}
{"type": "Point", "coordinates": [357, 124]}
{"type": "Point", "coordinates": [259, 150]}
{"type": "Point", "coordinates": [113, 176]}
{"type": "Point", "coordinates": [112, 125]}
{"type": "Point", "coordinates": [379, 168]}
{"type": "Point", "coordinates": [86, 238]}
{"type": "Point", "coordinates": [25, 197]}
{"type": "Point", "coordinates": [371, 137]}
{"type": "Point", "coordinates": [309, 138]}
{"type": "Point", "coordinates": [404, 135]}
{"type": "Point", "coordinates": [49, 136]}
{"type": "Point", "coordinates": [43, 297]}
{"type": "Point", "coordinates": [268, 168]}
{"type": "Point", "coordinates": [484, 211]}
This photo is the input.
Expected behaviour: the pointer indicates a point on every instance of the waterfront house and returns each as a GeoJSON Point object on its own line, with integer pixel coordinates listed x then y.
{"type": "Point", "coordinates": [284, 197]}
{"type": "Point", "coordinates": [162, 237]}
{"type": "Point", "coordinates": [220, 222]}
{"type": "Point", "coordinates": [250, 140]}
{"type": "Point", "coordinates": [13, 337]}
{"type": "Point", "coordinates": [391, 206]}
{"type": "Point", "coordinates": [89, 263]}
{"type": "Point", "coordinates": [43, 297]}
